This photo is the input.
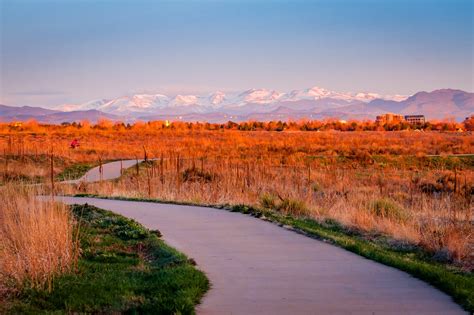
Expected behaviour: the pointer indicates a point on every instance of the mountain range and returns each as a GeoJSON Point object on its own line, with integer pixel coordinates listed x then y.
{"type": "Point", "coordinates": [253, 104]}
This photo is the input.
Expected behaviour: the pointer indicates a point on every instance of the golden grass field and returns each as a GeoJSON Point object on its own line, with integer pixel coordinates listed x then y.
{"type": "Point", "coordinates": [403, 185]}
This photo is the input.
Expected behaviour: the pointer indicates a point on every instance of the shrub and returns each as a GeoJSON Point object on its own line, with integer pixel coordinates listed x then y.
{"type": "Point", "coordinates": [287, 205]}
{"type": "Point", "coordinates": [195, 175]}
{"type": "Point", "coordinates": [386, 208]}
{"type": "Point", "coordinates": [268, 201]}
{"type": "Point", "coordinates": [316, 187]}
{"type": "Point", "coordinates": [293, 207]}
{"type": "Point", "coordinates": [444, 183]}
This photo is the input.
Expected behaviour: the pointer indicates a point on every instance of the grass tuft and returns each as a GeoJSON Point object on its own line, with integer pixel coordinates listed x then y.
{"type": "Point", "coordinates": [293, 207]}
{"type": "Point", "coordinates": [37, 242]}
{"type": "Point", "coordinates": [386, 208]}
{"type": "Point", "coordinates": [268, 201]}
{"type": "Point", "coordinates": [124, 268]}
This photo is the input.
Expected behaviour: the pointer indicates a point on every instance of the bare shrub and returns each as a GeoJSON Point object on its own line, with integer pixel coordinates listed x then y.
{"type": "Point", "coordinates": [293, 207]}
{"type": "Point", "coordinates": [386, 208]}
{"type": "Point", "coordinates": [268, 201]}
{"type": "Point", "coordinates": [195, 175]}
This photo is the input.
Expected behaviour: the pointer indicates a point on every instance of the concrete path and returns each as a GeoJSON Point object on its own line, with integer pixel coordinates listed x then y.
{"type": "Point", "coordinates": [110, 170]}
{"type": "Point", "coordinates": [256, 267]}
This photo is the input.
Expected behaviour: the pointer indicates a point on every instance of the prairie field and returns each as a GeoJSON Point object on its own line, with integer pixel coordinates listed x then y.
{"type": "Point", "coordinates": [416, 188]}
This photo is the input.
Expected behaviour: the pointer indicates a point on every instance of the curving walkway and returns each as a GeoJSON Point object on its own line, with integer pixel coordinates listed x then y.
{"type": "Point", "coordinates": [256, 267]}
{"type": "Point", "coordinates": [110, 170]}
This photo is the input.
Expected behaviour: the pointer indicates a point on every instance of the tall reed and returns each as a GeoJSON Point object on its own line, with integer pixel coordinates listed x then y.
{"type": "Point", "coordinates": [37, 240]}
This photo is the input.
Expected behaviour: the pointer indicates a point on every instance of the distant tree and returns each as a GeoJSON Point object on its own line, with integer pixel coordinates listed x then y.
{"type": "Point", "coordinates": [469, 123]}
{"type": "Point", "coordinates": [85, 124]}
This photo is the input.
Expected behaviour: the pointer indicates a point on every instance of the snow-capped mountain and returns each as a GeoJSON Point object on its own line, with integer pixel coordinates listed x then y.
{"type": "Point", "coordinates": [122, 105]}
{"type": "Point", "coordinates": [254, 104]}
{"type": "Point", "coordinates": [241, 102]}
{"type": "Point", "coordinates": [258, 96]}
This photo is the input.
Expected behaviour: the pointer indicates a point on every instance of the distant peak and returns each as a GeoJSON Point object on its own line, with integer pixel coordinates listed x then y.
{"type": "Point", "coordinates": [318, 89]}
{"type": "Point", "coordinates": [252, 100]}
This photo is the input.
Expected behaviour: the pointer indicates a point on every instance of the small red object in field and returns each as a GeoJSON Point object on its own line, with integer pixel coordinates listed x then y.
{"type": "Point", "coordinates": [75, 143]}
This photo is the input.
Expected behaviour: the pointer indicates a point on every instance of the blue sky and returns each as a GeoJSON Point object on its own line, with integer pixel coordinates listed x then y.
{"type": "Point", "coordinates": [55, 52]}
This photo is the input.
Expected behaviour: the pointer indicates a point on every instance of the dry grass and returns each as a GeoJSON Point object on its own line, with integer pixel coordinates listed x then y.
{"type": "Point", "coordinates": [368, 198]}
{"type": "Point", "coordinates": [112, 144]}
{"type": "Point", "coordinates": [36, 240]}
{"type": "Point", "coordinates": [377, 182]}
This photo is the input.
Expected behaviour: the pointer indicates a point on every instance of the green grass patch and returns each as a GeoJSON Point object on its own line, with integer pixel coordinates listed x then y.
{"type": "Point", "coordinates": [124, 268]}
{"type": "Point", "coordinates": [74, 171]}
{"type": "Point", "coordinates": [411, 259]}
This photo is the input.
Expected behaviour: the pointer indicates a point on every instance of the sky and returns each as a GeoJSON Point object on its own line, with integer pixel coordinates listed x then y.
{"type": "Point", "coordinates": [72, 51]}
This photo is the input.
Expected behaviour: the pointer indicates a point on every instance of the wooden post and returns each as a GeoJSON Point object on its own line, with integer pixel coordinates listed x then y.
{"type": "Point", "coordinates": [467, 195]}
{"type": "Point", "coordinates": [178, 166]}
{"type": "Point", "coordinates": [309, 173]}
{"type": "Point", "coordinates": [380, 182]}
{"type": "Point", "coordinates": [137, 167]}
{"type": "Point", "coordinates": [5, 175]}
{"type": "Point", "coordinates": [121, 167]}
{"type": "Point", "coordinates": [297, 177]}
{"type": "Point", "coordinates": [455, 181]}
{"type": "Point", "coordinates": [145, 154]}
{"type": "Point", "coordinates": [162, 178]}
{"type": "Point", "coordinates": [248, 175]}
{"type": "Point", "coordinates": [148, 182]}
{"type": "Point", "coordinates": [10, 145]}
{"type": "Point", "coordinates": [18, 148]}
{"type": "Point", "coordinates": [52, 174]}
{"type": "Point", "coordinates": [153, 172]}
{"type": "Point", "coordinates": [100, 169]}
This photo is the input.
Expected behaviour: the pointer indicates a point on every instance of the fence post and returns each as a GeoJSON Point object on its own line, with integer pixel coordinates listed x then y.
{"type": "Point", "coordinates": [455, 180]}
{"type": "Point", "coordinates": [52, 173]}
{"type": "Point", "coordinates": [145, 157]}
{"type": "Point", "coordinates": [309, 173]}
{"type": "Point", "coordinates": [148, 182]}
{"type": "Point", "coordinates": [5, 175]}
{"type": "Point", "coordinates": [100, 169]}
{"type": "Point", "coordinates": [162, 179]}
{"type": "Point", "coordinates": [137, 167]}
{"type": "Point", "coordinates": [178, 166]}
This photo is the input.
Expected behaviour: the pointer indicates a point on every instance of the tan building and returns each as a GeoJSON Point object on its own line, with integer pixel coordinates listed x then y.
{"type": "Point", "coordinates": [389, 118]}
{"type": "Point", "coordinates": [415, 119]}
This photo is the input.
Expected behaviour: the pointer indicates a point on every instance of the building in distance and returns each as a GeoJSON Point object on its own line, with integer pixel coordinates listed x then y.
{"type": "Point", "coordinates": [415, 119]}
{"type": "Point", "coordinates": [390, 118]}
